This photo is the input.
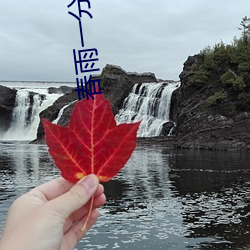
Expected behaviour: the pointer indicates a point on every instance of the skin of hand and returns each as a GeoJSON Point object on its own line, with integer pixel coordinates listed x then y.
{"type": "Point", "coordinates": [50, 216]}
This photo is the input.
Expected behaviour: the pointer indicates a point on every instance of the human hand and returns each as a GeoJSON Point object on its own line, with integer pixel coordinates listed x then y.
{"type": "Point", "coordinates": [50, 216]}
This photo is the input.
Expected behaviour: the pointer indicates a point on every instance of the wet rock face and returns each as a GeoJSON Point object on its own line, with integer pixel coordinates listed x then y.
{"type": "Point", "coordinates": [221, 127]}
{"type": "Point", "coordinates": [60, 90]}
{"type": "Point", "coordinates": [7, 105]}
{"type": "Point", "coordinates": [52, 112]}
{"type": "Point", "coordinates": [166, 128]}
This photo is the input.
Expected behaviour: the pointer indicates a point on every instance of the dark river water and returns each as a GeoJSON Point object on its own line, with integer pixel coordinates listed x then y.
{"type": "Point", "coordinates": [161, 200]}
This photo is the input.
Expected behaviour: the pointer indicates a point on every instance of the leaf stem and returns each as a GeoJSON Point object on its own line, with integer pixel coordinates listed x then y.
{"type": "Point", "coordinates": [84, 228]}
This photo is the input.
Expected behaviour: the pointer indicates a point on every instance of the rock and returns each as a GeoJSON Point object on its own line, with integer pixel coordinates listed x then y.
{"type": "Point", "coordinates": [7, 105]}
{"type": "Point", "coordinates": [166, 128]}
{"type": "Point", "coordinates": [224, 126]}
{"type": "Point", "coordinates": [52, 112]}
{"type": "Point", "coordinates": [184, 76]}
{"type": "Point", "coordinates": [116, 84]}
{"type": "Point", "coordinates": [31, 101]}
{"type": "Point", "coordinates": [242, 116]}
{"type": "Point", "coordinates": [60, 90]}
{"type": "Point", "coordinates": [176, 96]}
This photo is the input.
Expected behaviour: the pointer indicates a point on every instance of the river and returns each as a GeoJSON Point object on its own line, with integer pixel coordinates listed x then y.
{"type": "Point", "coordinates": [162, 199]}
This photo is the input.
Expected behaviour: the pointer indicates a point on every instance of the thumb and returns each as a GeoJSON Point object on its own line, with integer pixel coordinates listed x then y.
{"type": "Point", "coordinates": [76, 197]}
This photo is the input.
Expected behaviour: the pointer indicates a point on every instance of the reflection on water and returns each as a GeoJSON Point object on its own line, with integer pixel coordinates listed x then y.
{"type": "Point", "coordinates": [141, 209]}
{"type": "Point", "coordinates": [215, 191]}
{"type": "Point", "coordinates": [160, 200]}
{"type": "Point", "coordinates": [22, 167]}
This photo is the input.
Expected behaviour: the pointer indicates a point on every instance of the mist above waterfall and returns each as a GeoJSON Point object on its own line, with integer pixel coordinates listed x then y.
{"type": "Point", "coordinates": [149, 103]}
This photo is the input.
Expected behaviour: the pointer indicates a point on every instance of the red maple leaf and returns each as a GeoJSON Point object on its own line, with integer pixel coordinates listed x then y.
{"type": "Point", "coordinates": [92, 143]}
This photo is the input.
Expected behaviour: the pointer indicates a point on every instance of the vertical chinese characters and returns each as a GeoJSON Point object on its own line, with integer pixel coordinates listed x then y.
{"type": "Point", "coordinates": [85, 59]}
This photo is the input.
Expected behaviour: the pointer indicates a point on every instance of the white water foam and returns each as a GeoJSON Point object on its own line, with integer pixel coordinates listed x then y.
{"type": "Point", "coordinates": [149, 103]}
{"type": "Point", "coordinates": [25, 117]}
{"type": "Point", "coordinates": [61, 112]}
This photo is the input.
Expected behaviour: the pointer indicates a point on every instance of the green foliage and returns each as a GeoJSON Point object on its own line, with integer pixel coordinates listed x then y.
{"type": "Point", "coordinates": [245, 22]}
{"type": "Point", "coordinates": [206, 51]}
{"type": "Point", "coordinates": [226, 67]}
{"type": "Point", "coordinates": [197, 75]}
{"type": "Point", "coordinates": [242, 96]}
{"type": "Point", "coordinates": [222, 53]}
{"type": "Point", "coordinates": [216, 98]}
{"type": "Point", "coordinates": [210, 65]}
{"type": "Point", "coordinates": [232, 80]}
{"type": "Point", "coordinates": [239, 84]}
{"type": "Point", "coordinates": [228, 78]}
{"type": "Point", "coordinates": [244, 67]}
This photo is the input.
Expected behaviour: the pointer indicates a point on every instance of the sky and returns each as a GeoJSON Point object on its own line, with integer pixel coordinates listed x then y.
{"type": "Point", "coordinates": [37, 37]}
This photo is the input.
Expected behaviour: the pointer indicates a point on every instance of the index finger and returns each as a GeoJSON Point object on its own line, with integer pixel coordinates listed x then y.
{"type": "Point", "coordinates": [54, 188]}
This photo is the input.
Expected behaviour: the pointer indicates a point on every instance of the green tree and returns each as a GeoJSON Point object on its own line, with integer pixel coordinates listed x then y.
{"type": "Point", "coordinates": [245, 28]}
{"type": "Point", "coordinates": [216, 98]}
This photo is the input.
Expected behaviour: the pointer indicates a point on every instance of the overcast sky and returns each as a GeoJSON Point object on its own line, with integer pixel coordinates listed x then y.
{"type": "Point", "coordinates": [37, 37]}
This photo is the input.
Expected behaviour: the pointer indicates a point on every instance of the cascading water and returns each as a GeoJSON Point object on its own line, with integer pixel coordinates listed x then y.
{"type": "Point", "coordinates": [25, 117]}
{"type": "Point", "coordinates": [149, 103]}
{"type": "Point", "coordinates": [61, 112]}
{"type": "Point", "coordinates": [19, 122]}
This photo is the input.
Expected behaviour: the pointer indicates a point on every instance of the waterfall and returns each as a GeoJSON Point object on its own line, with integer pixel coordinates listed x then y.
{"type": "Point", "coordinates": [149, 103]}
{"type": "Point", "coordinates": [25, 116]}
{"type": "Point", "coordinates": [61, 112]}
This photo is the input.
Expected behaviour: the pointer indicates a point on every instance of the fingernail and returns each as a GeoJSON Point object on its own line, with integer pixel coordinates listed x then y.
{"type": "Point", "coordinates": [89, 182]}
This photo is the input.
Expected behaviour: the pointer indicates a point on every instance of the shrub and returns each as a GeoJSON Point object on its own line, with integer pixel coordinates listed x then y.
{"type": "Point", "coordinates": [239, 84]}
{"type": "Point", "coordinates": [216, 98]}
{"type": "Point", "coordinates": [206, 51]}
{"type": "Point", "coordinates": [197, 75]}
{"type": "Point", "coordinates": [234, 81]}
{"type": "Point", "coordinates": [242, 96]}
{"type": "Point", "coordinates": [227, 78]}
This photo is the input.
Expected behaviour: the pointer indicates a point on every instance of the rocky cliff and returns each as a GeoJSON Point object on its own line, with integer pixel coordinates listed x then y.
{"type": "Point", "coordinates": [7, 104]}
{"type": "Point", "coordinates": [210, 114]}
